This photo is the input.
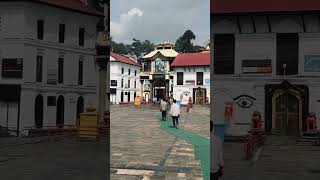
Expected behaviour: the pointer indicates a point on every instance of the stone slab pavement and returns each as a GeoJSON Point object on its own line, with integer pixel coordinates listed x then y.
{"type": "Point", "coordinates": [64, 159]}
{"type": "Point", "coordinates": [138, 144]}
{"type": "Point", "coordinates": [282, 158]}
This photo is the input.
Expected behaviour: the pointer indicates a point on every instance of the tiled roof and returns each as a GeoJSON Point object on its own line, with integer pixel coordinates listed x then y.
{"type": "Point", "coordinates": [164, 52]}
{"type": "Point", "coordinates": [263, 6]}
{"type": "Point", "coordinates": [124, 59]}
{"type": "Point", "coordinates": [192, 59]}
{"type": "Point", "coordinates": [73, 5]}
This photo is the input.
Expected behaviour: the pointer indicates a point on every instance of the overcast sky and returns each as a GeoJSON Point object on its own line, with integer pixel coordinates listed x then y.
{"type": "Point", "coordinates": [158, 20]}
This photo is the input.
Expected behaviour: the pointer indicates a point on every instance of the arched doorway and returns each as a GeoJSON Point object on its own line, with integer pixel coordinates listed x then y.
{"type": "Point", "coordinates": [159, 88]}
{"type": "Point", "coordinates": [199, 96]}
{"type": "Point", "coordinates": [80, 108]}
{"type": "Point", "coordinates": [146, 97]}
{"type": "Point", "coordinates": [60, 112]}
{"type": "Point", "coordinates": [121, 97]}
{"type": "Point", "coordinates": [287, 110]}
{"type": "Point", "coordinates": [38, 111]}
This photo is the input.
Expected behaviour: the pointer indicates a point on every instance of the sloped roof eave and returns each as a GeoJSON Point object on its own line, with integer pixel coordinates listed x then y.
{"type": "Point", "coordinates": [92, 11]}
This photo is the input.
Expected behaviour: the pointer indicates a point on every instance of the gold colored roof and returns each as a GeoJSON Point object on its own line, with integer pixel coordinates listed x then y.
{"type": "Point", "coordinates": [164, 52]}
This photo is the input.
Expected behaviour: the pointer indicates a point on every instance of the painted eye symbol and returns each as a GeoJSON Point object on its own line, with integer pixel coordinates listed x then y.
{"type": "Point", "coordinates": [245, 102]}
{"type": "Point", "coordinates": [186, 93]}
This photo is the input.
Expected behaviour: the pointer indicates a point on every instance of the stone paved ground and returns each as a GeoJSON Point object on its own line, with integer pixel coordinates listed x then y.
{"type": "Point", "coordinates": [50, 160]}
{"type": "Point", "coordinates": [138, 144]}
{"type": "Point", "coordinates": [280, 159]}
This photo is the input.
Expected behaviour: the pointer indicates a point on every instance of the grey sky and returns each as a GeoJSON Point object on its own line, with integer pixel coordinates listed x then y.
{"type": "Point", "coordinates": [158, 20]}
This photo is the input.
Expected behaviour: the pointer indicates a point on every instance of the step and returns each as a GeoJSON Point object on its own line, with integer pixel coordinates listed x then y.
{"type": "Point", "coordinates": [234, 138]}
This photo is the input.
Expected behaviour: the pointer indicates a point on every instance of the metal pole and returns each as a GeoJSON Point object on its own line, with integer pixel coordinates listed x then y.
{"type": "Point", "coordinates": [18, 124]}
{"type": "Point", "coordinates": [7, 115]}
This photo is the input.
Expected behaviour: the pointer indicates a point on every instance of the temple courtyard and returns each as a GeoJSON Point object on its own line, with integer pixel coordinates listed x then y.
{"type": "Point", "coordinates": [143, 147]}
{"type": "Point", "coordinates": [281, 158]}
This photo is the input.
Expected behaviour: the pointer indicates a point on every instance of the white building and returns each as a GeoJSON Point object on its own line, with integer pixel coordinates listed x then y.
{"type": "Point", "coordinates": [124, 79]}
{"type": "Point", "coordinates": [47, 62]}
{"type": "Point", "coordinates": [156, 78]}
{"type": "Point", "coordinates": [191, 77]}
{"type": "Point", "coordinates": [264, 62]}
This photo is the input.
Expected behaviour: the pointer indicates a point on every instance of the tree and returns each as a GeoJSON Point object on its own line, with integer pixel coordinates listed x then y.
{"type": "Point", "coordinates": [139, 49]}
{"type": "Point", "coordinates": [119, 48]}
{"type": "Point", "coordinates": [184, 44]}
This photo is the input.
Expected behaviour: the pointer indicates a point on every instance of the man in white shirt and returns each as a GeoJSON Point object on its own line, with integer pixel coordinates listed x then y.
{"type": "Point", "coordinates": [175, 113]}
{"type": "Point", "coordinates": [216, 167]}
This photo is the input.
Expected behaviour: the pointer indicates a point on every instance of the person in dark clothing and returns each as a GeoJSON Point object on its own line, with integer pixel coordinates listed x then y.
{"type": "Point", "coordinates": [163, 109]}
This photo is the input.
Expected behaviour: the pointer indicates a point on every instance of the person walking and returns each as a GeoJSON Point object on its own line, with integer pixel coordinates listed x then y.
{"type": "Point", "coordinates": [216, 167]}
{"type": "Point", "coordinates": [163, 109]}
{"type": "Point", "coordinates": [189, 107]}
{"type": "Point", "coordinates": [175, 113]}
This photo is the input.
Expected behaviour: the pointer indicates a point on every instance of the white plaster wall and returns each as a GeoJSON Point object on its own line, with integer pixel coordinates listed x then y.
{"type": "Point", "coordinates": [116, 74]}
{"type": "Point", "coordinates": [189, 73]}
{"type": "Point", "coordinates": [24, 45]}
{"type": "Point", "coordinates": [53, 17]}
{"type": "Point", "coordinates": [264, 46]}
{"type": "Point", "coordinates": [226, 88]}
{"type": "Point", "coordinates": [12, 12]}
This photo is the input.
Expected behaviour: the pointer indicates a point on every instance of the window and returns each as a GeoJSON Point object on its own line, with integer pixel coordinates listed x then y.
{"type": "Point", "coordinates": [81, 37]}
{"type": "Point", "coordinates": [60, 71]}
{"type": "Point", "coordinates": [128, 83]}
{"type": "Point", "coordinates": [121, 96]}
{"type": "Point", "coordinates": [12, 68]}
{"type": "Point", "coordinates": [147, 66]}
{"type": "Point", "coordinates": [39, 69]}
{"type": "Point", "coordinates": [287, 54]}
{"type": "Point", "coordinates": [80, 73]}
{"type": "Point", "coordinates": [135, 72]}
{"type": "Point", "coordinates": [40, 28]}
{"type": "Point", "coordinates": [122, 83]}
{"type": "Point", "coordinates": [62, 29]}
{"type": "Point", "coordinates": [0, 23]}
{"type": "Point", "coordinates": [122, 70]}
{"type": "Point", "coordinates": [199, 78]}
{"type": "Point", "coordinates": [129, 71]}
{"type": "Point", "coordinates": [179, 78]}
{"type": "Point", "coordinates": [224, 48]}
{"type": "Point", "coordinates": [113, 82]}
{"type": "Point", "coordinates": [135, 84]}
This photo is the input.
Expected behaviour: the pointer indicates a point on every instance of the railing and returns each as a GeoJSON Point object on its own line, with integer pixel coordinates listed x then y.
{"type": "Point", "coordinates": [58, 130]}
{"type": "Point", "coordinates": [70, 131]}
{"type": "Point", "coordinates": [254, 140]}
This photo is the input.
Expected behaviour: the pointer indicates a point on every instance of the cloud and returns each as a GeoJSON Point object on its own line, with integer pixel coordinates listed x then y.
{"type": "Point", "coordinates": [158, 20]}
{"type": "Point", "coordinates": [118, 28]}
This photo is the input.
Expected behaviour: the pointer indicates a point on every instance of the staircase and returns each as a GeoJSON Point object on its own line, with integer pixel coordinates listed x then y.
{"type": "Point", "coordinates": [309, 138]}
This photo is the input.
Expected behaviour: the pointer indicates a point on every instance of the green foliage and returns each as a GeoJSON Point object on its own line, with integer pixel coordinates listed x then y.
{"type": "Point", "coordinates": [137, 48]}
{"type": "Point", "coordinates": [184, 43]}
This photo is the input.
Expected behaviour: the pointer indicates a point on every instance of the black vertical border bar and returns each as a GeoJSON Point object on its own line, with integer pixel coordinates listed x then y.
{"type": "Point", "coordinates": [108, 48]}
